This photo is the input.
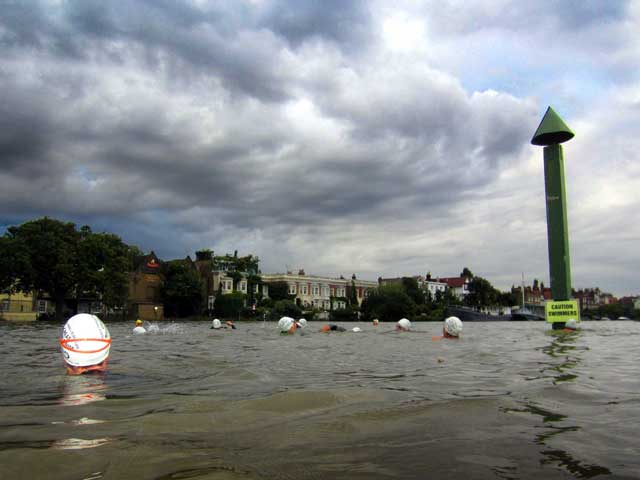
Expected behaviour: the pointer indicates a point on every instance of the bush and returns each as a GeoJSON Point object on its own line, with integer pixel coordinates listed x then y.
{"type": "Point", "coordinates": [230, 305]}
{"type": "Point", "coordinates": [344, 315]}
{"type": "Point", "coordinates": [388, 303]}
{"type": "Point", "coordinates": [285, 308]}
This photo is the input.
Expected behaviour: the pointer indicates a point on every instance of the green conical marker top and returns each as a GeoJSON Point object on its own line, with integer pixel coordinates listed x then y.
{"type": "Point", "coordinates": [551, 130]}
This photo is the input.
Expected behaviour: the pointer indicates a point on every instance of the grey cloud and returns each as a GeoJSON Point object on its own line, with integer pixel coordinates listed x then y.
{"type": "Point", "coordinates": [347, 23]}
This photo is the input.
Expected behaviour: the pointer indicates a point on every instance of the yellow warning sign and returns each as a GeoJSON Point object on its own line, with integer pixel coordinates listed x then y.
{"type": "Point", "coordinates": [561, 311]}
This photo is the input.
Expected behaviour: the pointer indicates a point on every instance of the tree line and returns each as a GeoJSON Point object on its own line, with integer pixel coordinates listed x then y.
{"type": "Point", "coordinates": [69, 265]}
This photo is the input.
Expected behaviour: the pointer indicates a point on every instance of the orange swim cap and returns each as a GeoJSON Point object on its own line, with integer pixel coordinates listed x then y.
{"type": "Point", "coordinates": [325, 328]}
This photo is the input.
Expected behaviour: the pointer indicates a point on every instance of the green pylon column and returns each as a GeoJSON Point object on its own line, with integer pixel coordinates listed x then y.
{"type": "Point", "coordinates": [557, 227]}
{"type": "Point", "coordinates": [551, 132]}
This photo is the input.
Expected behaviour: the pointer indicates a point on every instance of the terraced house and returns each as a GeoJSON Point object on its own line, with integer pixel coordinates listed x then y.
{"type": "Point", "coordinates": [323, 293]}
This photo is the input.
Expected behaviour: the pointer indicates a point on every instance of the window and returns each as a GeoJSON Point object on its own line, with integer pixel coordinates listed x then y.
{"type": "Point", "coordinates": [42, 306]}
{"type": "Point", "coordinates": [256, 288]}
{"type": "Point", "coordinates": [292, 289]}
{"type": "Point", "coordinates": [151, 292]}
{"type": "Point", "coordinates": [325, 291]}
{"type": "Point", "coordinates": [227, 285]}
{"type": "Point", "coordinates": [341, 292]}
{"type": "Point", "coordinates": [4, 306]}
{"type": "Point", "coordinates": [303, 290]}
{"type": "Point", "coordinates": [243, 286]}
{"type": "Point", "coordinates": [316, 290]}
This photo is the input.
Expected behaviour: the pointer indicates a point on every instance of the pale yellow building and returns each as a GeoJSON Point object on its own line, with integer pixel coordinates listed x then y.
{"type": "Point", "coordinates": [21, 306]}
{"type": "Point", "coordinates": [322, 293]}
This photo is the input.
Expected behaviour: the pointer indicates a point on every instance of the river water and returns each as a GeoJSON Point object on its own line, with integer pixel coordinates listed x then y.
{"type": "Point", "coordinates": [510, 400]}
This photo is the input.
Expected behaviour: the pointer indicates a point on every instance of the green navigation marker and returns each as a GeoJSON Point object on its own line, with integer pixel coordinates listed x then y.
{"type": "Point", "coordinates": [551, 132]}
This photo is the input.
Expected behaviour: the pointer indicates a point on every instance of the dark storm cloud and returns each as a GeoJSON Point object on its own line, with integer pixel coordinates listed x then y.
{"type": "Point", "coordinates": [528, 18]}
{"type": "Point", "coordinates": [137, 158]}
{"type": "Point", "coordinates": [26, 131]}
{"type": "Point", "coordinates": [171, 35]}
{"type": "Point", "coordinates": [347, 23]}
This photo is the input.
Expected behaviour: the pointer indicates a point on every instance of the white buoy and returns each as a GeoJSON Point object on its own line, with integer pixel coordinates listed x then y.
{"type": "Point", "coordinates": [85, 341]}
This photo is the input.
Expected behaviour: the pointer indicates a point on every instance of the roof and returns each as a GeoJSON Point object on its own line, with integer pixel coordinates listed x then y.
{"type": "Point", "coordinates": [453, 282]}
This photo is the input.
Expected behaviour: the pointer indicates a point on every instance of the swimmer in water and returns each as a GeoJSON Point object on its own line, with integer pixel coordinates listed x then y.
{"type": "Point", "coordinates": [287, 326]}
{"type": "Point", "coordinates": [85, 344]}
{"type": "Point", "coordinates": [139, 328]}
{"type": "Point", "coordinates": [451, 329]}
{"type": "Point", "coordinates": [332, 328]}
{"type": "Point", "coordinates": [570, 326]}
{"type": "Point", "coordinates": [216, 324]}
{"type": "Point", "coordinates": [376, 322]}
{"type": "Point", "coordinates": [403, 325]}
{"type": "Point", "coordinates": [230, 325]}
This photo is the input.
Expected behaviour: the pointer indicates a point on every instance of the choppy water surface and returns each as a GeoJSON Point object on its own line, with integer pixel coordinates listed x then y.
{"type": "Point", "coordinates": [509, 400]}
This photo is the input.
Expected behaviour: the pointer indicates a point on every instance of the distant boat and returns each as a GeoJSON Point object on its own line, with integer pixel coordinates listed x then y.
{"type": "Point", "coordinates": [523, 314]}
{"type": "Point", "coordinates": [468, 314]}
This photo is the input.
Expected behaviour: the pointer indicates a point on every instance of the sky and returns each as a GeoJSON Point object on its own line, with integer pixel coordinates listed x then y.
{"type": "Point", "coordinates": [371, 137]}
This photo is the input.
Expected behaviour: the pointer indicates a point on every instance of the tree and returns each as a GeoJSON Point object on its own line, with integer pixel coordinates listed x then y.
{"type": "Point", "coordinates": [353, 293]}
{"type": "Point", "coordinates": [252, 281]}
{"type": "Point", "coordinates": [507, 298]}
{"type": "Point", "coordinates": [466, 273]}
{"type": "Point", "coordinates": [279, 291]}
{"type": "Point", "coordinates": [52, 257]}
{"type": "Point", "coordinates": [103, 266]}
{"type": "Point", "coordinates": [344, 315]}
{"type": "Point", "coordinates": [182, 290]}
{"type": "Point", "coordinates": [387, 303]}
{"type": "Point", "coordinates": [47, 252]}
{"type": "Point", "coordinates": [8, 269]}
{"type": "Point", "coordinates": [230, 305]}
{"type": "Point", "coordinates": [481, 293]}
{"type": "Point", "coordinates": [236, 277]}
{"type": "Point", "coordinates": [535, 284]}
{"type": "Point", "coordinates": [410, 285]}
{"type": "Point", "coordinates": [286, 308]}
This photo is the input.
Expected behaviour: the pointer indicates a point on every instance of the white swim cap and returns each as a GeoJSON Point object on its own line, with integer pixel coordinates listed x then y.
{"type": "Point", "coordinates": [453, 326]}
{"type": "Point", "coordinates": [285, 324]}
{"type": "Point", "coordinates": [404, 324]}
{"type": "Point", "coordinates": [139, 330]}
{"type": "Point", "coordinates": [216, 323]}
{"type": "Point", "coordinates": [356, 329]}
{"type": "Point", "coordinates": [85, 341]}
{"type": "Point", "coordinates": [571, 324]}
{"type": "Point", "coordinates": [302, 322]}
